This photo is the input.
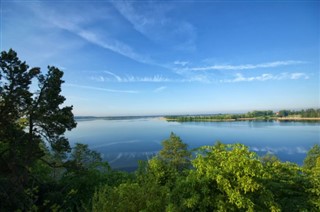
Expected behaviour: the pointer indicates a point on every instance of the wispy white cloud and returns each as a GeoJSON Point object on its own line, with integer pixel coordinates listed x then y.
{"type": "Point", "coordinates": [153, 21]}
{"type": "Point", "coordinates": [264, 77]}
{"type": "Point", "coordinates": [247, 66]}
{"type": "Point", "coordinates": [101, 89]}
{"type": "Point", "coordinates": [129, 78]}
{"type": "Point", "coordinates": [112, 44]}
{"type": "Point", "coordinates": [201, 78]}
{"type": "Point", "coordinates": [98, 78]}
{"type": "Point", "coordinates": [160, 89]}
{"type": "Point", "coordinates": [179, 62]}
{"type": "Point", "coordinates": [299, 76]}
{"type": "Point", "coordinates": [79, 24]}
{"type": "Point", "coordinates": [118, 78]}
{"type": "Point", "coordinates": [156, 78]}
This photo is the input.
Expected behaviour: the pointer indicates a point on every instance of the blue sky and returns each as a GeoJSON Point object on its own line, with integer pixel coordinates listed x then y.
{"type": "Point", "coordinates": [172, 57]}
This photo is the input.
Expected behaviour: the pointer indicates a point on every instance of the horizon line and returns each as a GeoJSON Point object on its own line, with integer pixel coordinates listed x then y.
{"type": "Point", "coordinates": [190, 114]}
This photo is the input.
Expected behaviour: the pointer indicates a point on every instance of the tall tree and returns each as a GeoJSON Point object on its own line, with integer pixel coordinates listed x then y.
{"type": "Point", "coordinates": [175, 152]}
{"type": "Point", "coordinates": [28, 123]}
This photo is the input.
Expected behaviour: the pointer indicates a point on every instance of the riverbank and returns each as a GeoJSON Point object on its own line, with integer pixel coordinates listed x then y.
{"type": "Point", "coordinates": [209, 119]}
{"type": "Point", "coordinates": [257, 115]}
{"type": "Point", "coordinates": [297, 119]}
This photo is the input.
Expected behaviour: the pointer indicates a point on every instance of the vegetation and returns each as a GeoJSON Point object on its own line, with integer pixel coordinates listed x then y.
{"type": "Point", "coordinates": [39, 171]}
{"type": "Point", "coordinates": [223, 178]}
{"type": "Point", "coordinates": [30, 123]}
{"type": "Point", "coordinates": [175, 153]}
{"type": "Point", "coordinates": [309, 114]}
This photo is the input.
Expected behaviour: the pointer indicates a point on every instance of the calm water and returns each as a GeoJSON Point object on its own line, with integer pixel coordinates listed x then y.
{"type": "Point", "coordinates": [124, 142]}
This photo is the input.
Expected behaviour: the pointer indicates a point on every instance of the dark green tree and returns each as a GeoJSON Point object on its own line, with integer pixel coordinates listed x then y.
{"type": "Point", "coordinates": [30, 122]}
{"type": "Point", "coordinates": [289, 186]}
{"type": "Point", "coordinates": [84, 159]}
{"type": "Point", "coordinates": [85, 170]}
{"type": "Point", "coordinates": [284, 113]}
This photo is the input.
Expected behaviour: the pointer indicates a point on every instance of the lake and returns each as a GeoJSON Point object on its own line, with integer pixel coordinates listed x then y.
{"type": "Point", "coordinates": [122, 142]}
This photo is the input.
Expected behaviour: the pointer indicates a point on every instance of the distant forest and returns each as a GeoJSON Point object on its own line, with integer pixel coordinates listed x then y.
{"type": "Point", "coordinates": [258, 114]}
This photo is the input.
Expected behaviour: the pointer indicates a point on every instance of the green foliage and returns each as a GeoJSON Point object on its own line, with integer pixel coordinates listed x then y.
{"type": "Point", "coordinates": [312, 168]}
{"type": "Point", "coordinates": [314, 189]}
{"type": "Point", "coordinates": [312, 157]}
{"type": "Point", "coordinates": [82, 158]}
{"type": "Point", "coordinates": [223, 178]}
{"type": "Point", "coordinates": [85, 171]}
{"type": "Point", "coordinates": [268, 159]}
{"type": "Point", "coordinates": [289, 185]}
{"type": "Point", "coordinates": [161, 172]}
{"type": "Point", "coordinates": [284, 113]}
{"type": "Point", "coordinates": [130, 196]}
{"type": "Point", "coordinates": [151, 189]}
{"type": "Point", "coordinates": [310, 113]}
{"type": "Point", "coordinates": [258, 113]}
{"type": "Point", "coordinates": [235, 175]}
{"type": "Point", "coordinates": [28, 121]}
{"type": "Point", "coordinates": [175, 153]}
{"type": "Point", "coordinates": [75, 184]}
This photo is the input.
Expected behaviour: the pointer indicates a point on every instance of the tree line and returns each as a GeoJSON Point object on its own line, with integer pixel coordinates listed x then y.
{"type": "Point", "coordinates": [39, 171]}
{"type": "Point", "coordinates": [256, 115]}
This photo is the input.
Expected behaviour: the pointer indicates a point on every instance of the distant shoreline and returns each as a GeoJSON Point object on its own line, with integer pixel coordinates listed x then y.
{"type": "Point", "coordinates": [256, 115]}
{"type": "Point", "coordinates": [244, 119]}
{"type": "Point", "coordinates": [196, 119]}
{"type": "Point", "coordinates": [298, 119]}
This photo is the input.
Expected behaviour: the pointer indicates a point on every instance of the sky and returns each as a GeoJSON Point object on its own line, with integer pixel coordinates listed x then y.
{"type": "Point", "coordinates": [171, 57]}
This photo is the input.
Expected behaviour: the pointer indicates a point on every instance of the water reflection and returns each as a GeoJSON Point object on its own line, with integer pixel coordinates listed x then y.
{"type": "Point", "coordinates": [124, 142]}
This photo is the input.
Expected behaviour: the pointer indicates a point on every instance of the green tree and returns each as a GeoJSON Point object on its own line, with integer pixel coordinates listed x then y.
{"type": "Point", "coordinates": [130, 196]}
{"type": "Point", "coordinates": [85, 172]}
{"type": "Point", "coordinates": [284, 113]}
{"type": "Point", "coordinates": [312, 156]}
{"type": "Point", "coordinates": [82, 158]}
{"type": "Point", "coordinates": [289, 185]}
{"type": "Point", "coordinates": [28, 123]}
{"type": "Point", "coordinates": [229, 177]}
{"type": "Point", "coordinates": [175, 153]}
{"type": "Point", "coordinates": [314, 190]}
{"type": "Point", "coordinates": [268, 159]}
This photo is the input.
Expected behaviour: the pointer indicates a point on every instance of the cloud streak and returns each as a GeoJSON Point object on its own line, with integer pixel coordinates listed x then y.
{"type": "Point", "coordinates": [264, 77]}
{"type": "Point", "coordinates": [247, 66]}
{"type": "Point", "coordinates": [181, 63]}
{"type": "Point", "coordinates": [202, 78]}
{"type": "Point", "coordinates": [78, 25]}
{"type": "Point", "coordinates": [102, 89]}
{"type": "Point", "coordinates": [160, 89]}
{"type": "Point", "coordinates": [149, 79]}
{"type": "Point", "coordinates": [111, 44]}
{"type": "Point", "coordinates": [153, 21]}
{"type": "Point", "coordinates": [130, 78]}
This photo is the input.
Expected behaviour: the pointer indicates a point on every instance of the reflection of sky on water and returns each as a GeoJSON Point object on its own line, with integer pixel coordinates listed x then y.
{"type": "Point", "coordinates": [124, 142]}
